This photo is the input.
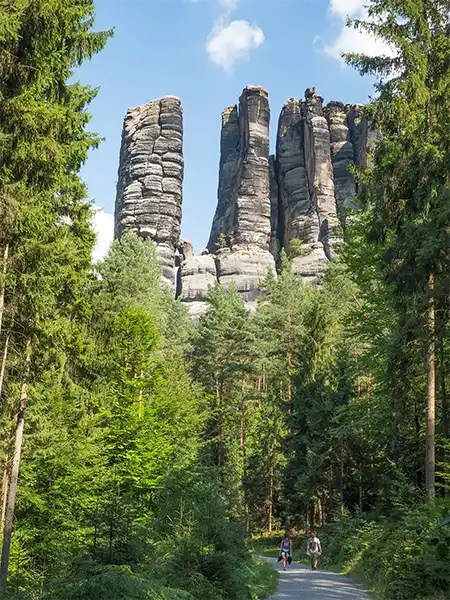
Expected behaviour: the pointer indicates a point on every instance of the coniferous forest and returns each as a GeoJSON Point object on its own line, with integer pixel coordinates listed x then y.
{"type": "Point", "coordinates": [146, 456]}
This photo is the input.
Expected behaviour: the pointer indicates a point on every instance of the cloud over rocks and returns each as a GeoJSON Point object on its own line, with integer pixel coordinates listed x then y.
{"type": "Point", "coordinates": [231, 43]}
{"type": "Point", "coordinates": [348, 39]}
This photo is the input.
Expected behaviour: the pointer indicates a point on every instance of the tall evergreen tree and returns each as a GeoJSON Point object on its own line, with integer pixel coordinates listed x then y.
{"type": "Point", "coordinates": [46, 237]}
{"type": "Point", "coordinates": [409, 182]}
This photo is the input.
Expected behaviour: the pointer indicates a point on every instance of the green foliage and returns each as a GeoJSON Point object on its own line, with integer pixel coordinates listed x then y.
{"type": "Point", "coordinates": [296, 248]}
{"type": "Point", "coordinates": [221, 241]}
{"type": "Point", "coordinates": [401, 557]}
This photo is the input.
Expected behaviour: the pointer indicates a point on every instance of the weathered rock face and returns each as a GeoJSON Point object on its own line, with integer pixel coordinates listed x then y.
{"type": "Point", "coordinates": [319, 170]}
{"type": "Point", "coordinates": [315, 147]}
{"type": "Point", "coordinates": [241, 234]}
{"type": "Point", "coordinates": [223, 222]}
{"type": "Point", "coordinates": [306, 194]}
{"type": "Point", "coordinates": [292, 200]}
{"type": "Point", "coordinates": [198, 274]}
{"type": "Point", "coordinates": [342, 153]}
{"type": "Point", "coordinates": [149, 189]}
{"type": "Point", "coordinates": [276, 232]}
{"type": "Point", "coordinates": [243, 209]}
{"type": "Point", "coordinates": [362, 135]}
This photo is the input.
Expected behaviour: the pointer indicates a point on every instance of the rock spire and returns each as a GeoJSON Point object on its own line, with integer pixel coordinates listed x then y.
{"type": "Point", "coordinates": [149, 188]}
{"type": "Point", "coordinates": [295, 199]}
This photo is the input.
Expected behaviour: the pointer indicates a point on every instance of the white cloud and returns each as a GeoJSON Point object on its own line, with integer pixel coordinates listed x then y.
{"type": "Point", "coordinates": [231, 43]}
{"type": "Point", "coordinates": [103, 224]}
{"type": "Point", "coordinates": [350, 40]}
{"type": "Point", "coordinates": [344, 8]}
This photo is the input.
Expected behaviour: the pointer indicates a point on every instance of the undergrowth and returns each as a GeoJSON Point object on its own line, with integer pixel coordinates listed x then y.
{"type": "Point", "coordinates": [401, 557]}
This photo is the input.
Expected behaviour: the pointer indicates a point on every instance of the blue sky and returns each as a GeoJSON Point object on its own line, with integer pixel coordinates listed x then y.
{"type": "Point", "coordinates": [206, 52]}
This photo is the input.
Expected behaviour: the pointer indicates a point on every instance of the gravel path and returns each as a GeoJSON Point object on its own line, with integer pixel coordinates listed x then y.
{"type": "Point", "coordinates": [300, 583]}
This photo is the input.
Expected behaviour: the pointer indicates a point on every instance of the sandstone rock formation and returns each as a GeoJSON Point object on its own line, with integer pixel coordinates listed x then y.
{"type": "Point", "coordinates": [149, 189]}
{"type": "Point", "coordinates": [362, 134]}
{"type": "Point", "coordinates": [343, 154]}
{"type": "Point", "coordinates": [306, 193]}
{"type": "Point", "coordinates": [242, 228]}
{"type": "Point", "coordinates": [315, 148]}
{"type": "Point", "coordinates": [198, 274]}
{"type": "Point", "coordinates": [294, 200]}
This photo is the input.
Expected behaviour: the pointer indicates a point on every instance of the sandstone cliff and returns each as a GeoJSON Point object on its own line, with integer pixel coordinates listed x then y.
{"type": "Point", "coordinates": [294, 200]}
{"type": "Point", "coordinates": [149, 188]}
{"type": "Point", "coordinates": [239, 243]}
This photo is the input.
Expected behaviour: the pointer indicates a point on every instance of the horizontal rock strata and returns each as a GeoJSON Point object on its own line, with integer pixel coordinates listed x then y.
{"type": "Point", "coordinates": [295, 200]}
{"type": "Point", "coordinates": [149, 189]}
{"type": "Point", "coordinates": [241, 234]}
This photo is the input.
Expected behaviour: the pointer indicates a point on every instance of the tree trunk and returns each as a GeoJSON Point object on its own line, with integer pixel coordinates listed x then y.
{"type": "Point", "coordinates": [243, 427]}
{"type": "Point", "coordinates": [270, 519]}
{"type": "Point", "coordinates": [360, 494]}
{"type": "Point", "coordinates": [5, 487]}
{"type": "Point", "coordinates": [431, 392]}
{"type": "Point", "coordinates": [2, 285]}
{"type": "Point", "coordinates": [6, 470]}
{"type": "Point", "coordinates": [219, 422]}
{"type": "Point", "coordinates": [341, 484]}
{"type": "Point", "coordinates": [444, 404]}
{"type": "Point", "coordinates": [3, 366]}
{"type": "Point", "coordinates": [5, 474]}
{"type": "Point", "coordinates": [12, 493]}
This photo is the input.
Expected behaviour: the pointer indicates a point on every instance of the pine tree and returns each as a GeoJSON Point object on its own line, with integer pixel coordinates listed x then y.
{"type": "Point", "coordinates": [223, 362]}
{"type": "Point", "coordinates": [409, 182]}
{"type": "Point", "coordinates": [48, 237]}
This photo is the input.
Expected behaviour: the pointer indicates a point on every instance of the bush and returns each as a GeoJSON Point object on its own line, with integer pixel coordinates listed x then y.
{"type": "Point", "coordinates": [405, 557]}
{"type": "Point", "coordinates": [186, 548]}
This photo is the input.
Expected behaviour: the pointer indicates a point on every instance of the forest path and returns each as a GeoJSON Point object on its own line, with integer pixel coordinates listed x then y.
{"type": "Point", "coordinates": [300, 583]}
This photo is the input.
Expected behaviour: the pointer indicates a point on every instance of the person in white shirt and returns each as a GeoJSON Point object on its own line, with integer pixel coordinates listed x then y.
{"type": "Point", "coordinates": [313, 549]}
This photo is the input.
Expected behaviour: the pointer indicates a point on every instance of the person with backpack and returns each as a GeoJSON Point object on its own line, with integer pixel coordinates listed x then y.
{"type": "Point", "coordinates": [285, 550]}
{"type": "Point", "coordinates": [313, 549]}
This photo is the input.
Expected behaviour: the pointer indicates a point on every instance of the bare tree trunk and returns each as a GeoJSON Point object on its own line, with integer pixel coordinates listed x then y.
{"type": "Point", "coordinates": [2, 285]}
{"type": "Point", "coordinates": [360, 502]}
{"type": "Point", "coordinates": [431, 392]}
{"type": "Point", "coordinates": [5, 474]}
{"type": "Point", "coordinates": [270, 523]}
{"type": "Point", "coordinates": [243, 427]}
{"type": "Point", "coordinates": [219, 422]}
{"type": "Point", "coordinates": [5, 486]}
{"type": "Point", "coordinates": [3, 366]}
{"type": "Point", "coordinates": [6, 471]}
{"type": "Point", "coordinates": [445, 428]}
{"type": "Point", "coordinates": [12, 493]}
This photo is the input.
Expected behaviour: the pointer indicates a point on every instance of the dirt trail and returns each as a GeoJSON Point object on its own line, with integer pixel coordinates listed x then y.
{"type": "Point", "coordinates": [300, 583]}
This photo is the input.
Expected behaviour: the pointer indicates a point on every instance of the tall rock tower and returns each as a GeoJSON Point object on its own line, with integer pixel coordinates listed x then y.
{"type": "Point", "coordinates": [294, 200]}
{"type": "Point", "coordinates": [149, 188]}
{"type": "Point", "coordinates": [238, 249]}
{"type": "Point", "coordinates": [311, 179]}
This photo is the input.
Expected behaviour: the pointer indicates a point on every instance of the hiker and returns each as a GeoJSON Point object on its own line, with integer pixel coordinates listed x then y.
{"type": "Point", "coordinates": [285, 550]}
{"type": "Point", "coordinates": [313, 549]}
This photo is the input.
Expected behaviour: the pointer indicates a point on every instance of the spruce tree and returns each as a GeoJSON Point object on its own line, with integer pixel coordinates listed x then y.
{"type": "Point", "coordinates": [409, 182]}
{"type": "Point", "coordinates": [47, 236]}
